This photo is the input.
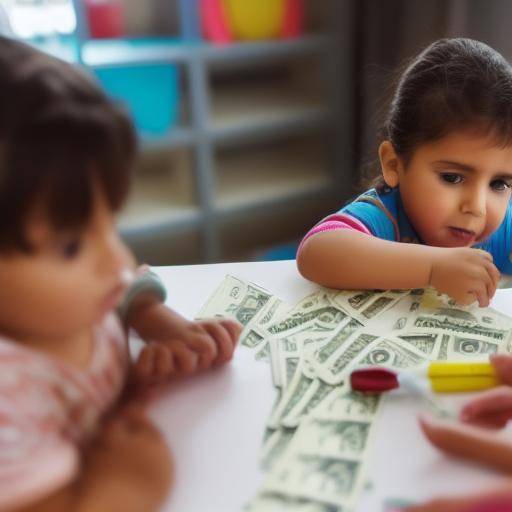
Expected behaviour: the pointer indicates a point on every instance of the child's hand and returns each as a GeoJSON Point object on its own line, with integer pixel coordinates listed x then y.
{"type": "Point", "coordinates": [129, 461]}
{"type": "Point", "coordinates": [465, 274]}
{"type": "Point", "coordinates": [189, 348]}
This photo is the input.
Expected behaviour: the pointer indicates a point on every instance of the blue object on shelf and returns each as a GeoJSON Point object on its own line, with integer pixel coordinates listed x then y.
{"type": "Point", "coordinates": [150, 93]}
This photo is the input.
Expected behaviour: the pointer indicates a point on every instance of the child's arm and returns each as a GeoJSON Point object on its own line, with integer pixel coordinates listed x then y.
{"type": "Point", "coordinates": [175, 346]}
{"type": "Point", "coordinates": [349, 259]}
{"type": "Point", "coordinates": [127, 468]}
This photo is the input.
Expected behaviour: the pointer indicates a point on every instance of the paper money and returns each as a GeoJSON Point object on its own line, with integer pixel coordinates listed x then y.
{"type": "Point", "coordinates": [319, 431]}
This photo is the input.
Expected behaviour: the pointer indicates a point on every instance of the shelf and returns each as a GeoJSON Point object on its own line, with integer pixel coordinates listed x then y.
{"type": "Point", "coordinates": [171, 215]}
{"type": "Point", "coordinates": [263, 50]}
{"type": "Point", "coordinates": [257, 179]}
{"type": "Point", "coordinates": [99, 53]}
{"type": "Point", "coordinates": [162, 195]}
{"type": "Point", "coordinates": [240, 113]}
{"type": "Point", "coordinates": [153, 220]}
{"type": "Point", "coordinates": [119, 52]}
{"type": "Point", "coordinates": [175, 138]}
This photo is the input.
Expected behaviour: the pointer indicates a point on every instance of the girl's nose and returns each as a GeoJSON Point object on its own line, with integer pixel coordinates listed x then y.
{"type": "Point", "coordinates": [475, 202]}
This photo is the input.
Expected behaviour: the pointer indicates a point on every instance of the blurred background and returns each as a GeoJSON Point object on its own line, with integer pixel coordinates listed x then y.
{"type": "Point", "coordinates": [255, 117]}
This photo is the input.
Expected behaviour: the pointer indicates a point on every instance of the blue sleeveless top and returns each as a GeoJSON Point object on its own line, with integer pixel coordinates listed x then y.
{"type": "Point", "coordinates": [384, 215]}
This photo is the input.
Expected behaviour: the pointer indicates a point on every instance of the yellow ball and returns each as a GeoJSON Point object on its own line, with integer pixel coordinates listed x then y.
{"type": "Point", "coordinates": [255, 19]}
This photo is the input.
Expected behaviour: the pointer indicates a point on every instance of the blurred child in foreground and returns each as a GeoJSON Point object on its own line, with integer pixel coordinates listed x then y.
{"type": "Point", "coordinates": [72, 435]}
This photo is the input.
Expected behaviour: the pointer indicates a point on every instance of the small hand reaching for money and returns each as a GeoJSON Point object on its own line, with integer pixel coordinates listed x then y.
{"type": "Point", "coordinates": [465, 274]}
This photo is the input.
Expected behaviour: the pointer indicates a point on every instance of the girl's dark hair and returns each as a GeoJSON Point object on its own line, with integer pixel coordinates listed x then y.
{"type": "Point", "coordinates": [454, 84]}
{"type": "Point", "coordinates": [58, 134]}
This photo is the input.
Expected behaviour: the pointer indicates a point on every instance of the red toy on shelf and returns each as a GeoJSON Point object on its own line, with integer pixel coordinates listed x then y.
{"type": "Point", "coordinates": [105, 18]}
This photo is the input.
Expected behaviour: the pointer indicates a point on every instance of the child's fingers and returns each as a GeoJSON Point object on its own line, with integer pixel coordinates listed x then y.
{"type": "Point", "coordinates": [465, 298]}
{"type": "Point", "coordinates": [155, 364]}
{"type": "Point", "coordinates": [186, 360]}
{"type": "Point", "coordinates": [207, 357]}
{"type": "Point", "coordinates": [487, 281]}
{"type": "Point", "coordinates": [491, 289]}
{"type": "Point", "coordinates": [144, 364]}
{"type": "Point", "coordinates": [163, 363]}
{"type": "Point", "coordinates": [488, 403]}
{"type": "Point", "coordinates": [204, 346]}
{"type": "Point", "coordinates": [234, 328]}
{"type": "Point", "coordinates": [222, 338]}
{"type": "Point", "coordinates": [494, 274]}
{"type": "Point", "coordinates": [481, 293]}
{"type": "Point", "coordinates": [470, 442]}
{"type": "Point", "coordinates": [484, 254]}
{"type": "Point", "coordinates": [503, 365]}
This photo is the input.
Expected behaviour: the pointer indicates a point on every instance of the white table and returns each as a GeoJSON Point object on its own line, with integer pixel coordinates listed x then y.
{"type": "Point", "coordinates": [214, 422]}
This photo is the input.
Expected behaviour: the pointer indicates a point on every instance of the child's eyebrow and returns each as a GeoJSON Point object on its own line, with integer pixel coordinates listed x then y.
{"type": "Point", "coordinates": [454, 165]}
{"type": "Point", "coordinates": [469, 168]}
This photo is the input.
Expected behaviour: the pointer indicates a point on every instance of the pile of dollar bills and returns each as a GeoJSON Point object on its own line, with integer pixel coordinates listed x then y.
{"type": "Point", "coordinates": [319, 431]}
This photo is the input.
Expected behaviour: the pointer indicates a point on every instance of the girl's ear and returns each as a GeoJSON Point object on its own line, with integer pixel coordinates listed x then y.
{"type": "Point", "coordinates": [389, 163]}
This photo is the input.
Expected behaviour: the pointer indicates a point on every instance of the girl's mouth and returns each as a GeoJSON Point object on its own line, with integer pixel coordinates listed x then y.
{"type": "Point", "coordinates": [464, 235]}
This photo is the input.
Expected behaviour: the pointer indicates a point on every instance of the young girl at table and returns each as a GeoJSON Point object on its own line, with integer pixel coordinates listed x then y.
{"type": "Point", "coordinates": [440, 214]}
{"type": "Point", "coordinates": [66, 443]}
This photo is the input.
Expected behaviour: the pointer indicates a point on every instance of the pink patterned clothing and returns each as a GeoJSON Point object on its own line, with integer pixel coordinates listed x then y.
{"type": "Point", "coordinates": [335, 221]}
{"type": "Point", "coordinates": [48, 408]}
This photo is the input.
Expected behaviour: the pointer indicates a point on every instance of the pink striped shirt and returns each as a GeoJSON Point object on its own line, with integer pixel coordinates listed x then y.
{"type": "Point", "coordinates": [48, 408]}
{"type": "Point", "coordinates": [333, 222]}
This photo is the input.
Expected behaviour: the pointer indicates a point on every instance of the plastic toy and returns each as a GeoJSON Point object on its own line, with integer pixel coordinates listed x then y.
{"type": "Point", "coordinates": [225, 21]}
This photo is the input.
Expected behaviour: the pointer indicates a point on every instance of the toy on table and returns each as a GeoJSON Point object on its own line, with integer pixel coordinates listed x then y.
{"type": "Point", "coordinates": [225, 21]}
{"type": "Point", "coordinates": [438, 376]}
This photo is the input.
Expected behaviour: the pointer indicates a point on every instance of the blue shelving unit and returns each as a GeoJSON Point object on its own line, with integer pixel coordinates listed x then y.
{"type": "Point", "coordinates": [206, 134]}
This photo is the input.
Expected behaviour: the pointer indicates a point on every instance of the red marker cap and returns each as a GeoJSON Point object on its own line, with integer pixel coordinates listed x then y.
{"type": "Point", "coordinates": [373, 380]}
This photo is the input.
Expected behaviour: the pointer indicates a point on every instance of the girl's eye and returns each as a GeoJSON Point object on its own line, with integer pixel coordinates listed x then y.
{"type": "Point", "coordinates": [451, 178]}
{"type": "Point", "coordinates": [70, 248]}
{"type": "Point", "coordinates": [500, 185]}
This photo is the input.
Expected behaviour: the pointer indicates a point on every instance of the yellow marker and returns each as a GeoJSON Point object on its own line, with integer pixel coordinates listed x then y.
{"type": "Point", "coordinates": [458, 376]}
{"type": "Point", "coordinates": [438, 376]}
